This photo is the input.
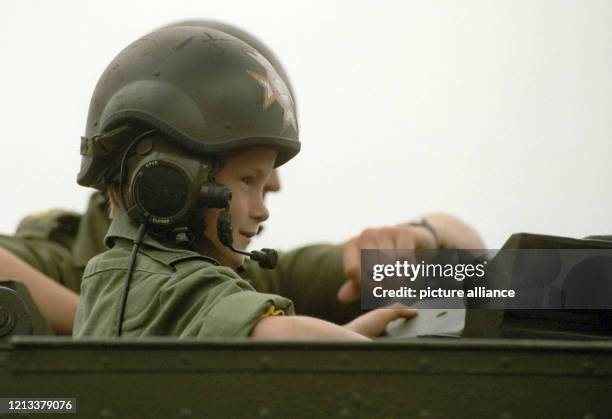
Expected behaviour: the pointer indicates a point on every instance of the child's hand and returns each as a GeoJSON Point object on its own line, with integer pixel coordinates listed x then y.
{"type": "Point", "coordinates": [373, 324]}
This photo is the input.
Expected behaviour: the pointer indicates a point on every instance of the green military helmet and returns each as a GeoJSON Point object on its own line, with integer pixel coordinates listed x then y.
{"type": "Point", "coordinates": [208, 92]}
{"type": "Point", "coordinates": [247, 37]}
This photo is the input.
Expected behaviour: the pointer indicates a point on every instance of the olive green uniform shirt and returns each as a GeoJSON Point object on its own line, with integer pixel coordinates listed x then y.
{"type": "Point", "coordinates": [59, 244]}
{"type": "Point", "coordinates": [173, 292]}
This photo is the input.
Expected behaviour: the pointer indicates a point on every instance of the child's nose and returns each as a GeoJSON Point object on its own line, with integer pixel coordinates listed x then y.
{"type": "Point", "coordinates": [259, 210]}
{"type": "Point", "coordinates": [273, 183]}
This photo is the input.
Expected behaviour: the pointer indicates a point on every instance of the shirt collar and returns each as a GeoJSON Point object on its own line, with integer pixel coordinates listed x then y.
{"type": "Point", "coordinates": [123, 228]}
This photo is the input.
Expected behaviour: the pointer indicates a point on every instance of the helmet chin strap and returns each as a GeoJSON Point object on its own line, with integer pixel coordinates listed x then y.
{"type": "Point", "coordinates": [266, 258]}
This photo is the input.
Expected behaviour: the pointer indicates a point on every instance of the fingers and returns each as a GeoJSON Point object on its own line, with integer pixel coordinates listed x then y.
{"type": "Point", "coordinates": [374, 323]}
{"type": "Point", "coordinates": [416, 237]}
{"type": "Point", "coordinates": [349, 292]}
{"type": "Point", "coordinates": [352, 259]}
{"type": "Point", "coordinates": [406, 241]}
{"type": "Point", "coordinates": [368, 239]}
{"type": "Point", "coordinates": [396, 313]}
{"type": "Point", "coordinates": [371, 238]}
{"type": "Point", "coordinates": [383, 238]}
{"type": "Point", "coordinates": [400, 237]}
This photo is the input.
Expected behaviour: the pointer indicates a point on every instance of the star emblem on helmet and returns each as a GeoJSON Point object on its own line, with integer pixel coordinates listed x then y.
{"type": "Point", "coordinates": [275, 90]}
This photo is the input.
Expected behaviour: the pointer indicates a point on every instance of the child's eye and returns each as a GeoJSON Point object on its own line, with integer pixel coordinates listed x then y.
{"type": "Point", "coordinates": [247, 180]}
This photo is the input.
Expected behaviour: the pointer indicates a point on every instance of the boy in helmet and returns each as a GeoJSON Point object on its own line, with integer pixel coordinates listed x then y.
{"type": "Point", "coordinates": [56, 246]}
{"type": "Point", "coordinates": [184, 129]}
{"type": "Point", "coordinates": [53, 247]}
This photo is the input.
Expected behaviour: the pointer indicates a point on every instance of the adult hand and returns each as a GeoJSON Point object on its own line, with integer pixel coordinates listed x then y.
{"type": "Point", "coordinates": [389, 238]}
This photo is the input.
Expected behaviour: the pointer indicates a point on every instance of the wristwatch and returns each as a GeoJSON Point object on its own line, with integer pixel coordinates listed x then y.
{"type": "Point", "coordinates": [422, 222]}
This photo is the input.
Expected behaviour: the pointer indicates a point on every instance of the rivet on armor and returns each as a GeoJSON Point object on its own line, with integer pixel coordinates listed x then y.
{"type": "Point", "coordinates": [265, 363]}
{"type": "Point", "coordinates": [424, 363]}
{"type": "Point", "coordinates": [106, 413]}
{"type": "Point", "coordinates": [345, 360]}
{"type": "Point", "coordinates": [185, 359]}
{"type": "Point", "coordinates": [105, 362]}
{"type": "Point", "coordinates": [505, 361]}
{"type": "Point", "coordinates": [185, 413]}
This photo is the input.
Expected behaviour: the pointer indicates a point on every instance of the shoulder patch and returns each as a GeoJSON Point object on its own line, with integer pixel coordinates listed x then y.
{"type": "Point", "coordinates": [56, 225]}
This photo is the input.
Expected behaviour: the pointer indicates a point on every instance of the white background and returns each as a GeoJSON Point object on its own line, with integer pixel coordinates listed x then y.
{"type": "Point", "coordinates": [497, 111]}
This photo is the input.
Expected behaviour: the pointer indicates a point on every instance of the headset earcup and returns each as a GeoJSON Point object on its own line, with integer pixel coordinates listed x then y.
{"type": "Point", "coordinates": [161, 191]}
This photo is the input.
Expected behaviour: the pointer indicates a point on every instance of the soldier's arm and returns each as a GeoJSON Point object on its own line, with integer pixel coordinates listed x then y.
{"type": "Point", "coordinates": [317, 277]}
{"type": "Point", "coordinates": [454, 233]}
{"type": "Point", "coordinates": [440, 230]}
{"type": "Point", "coordinates": [40, 256]}
{"type": "Point", "coordinates": [56, 303]}
{"type": "Point", "coordinates": [310, 276]}
{"type": "Point", "coordinates": [48, 253]}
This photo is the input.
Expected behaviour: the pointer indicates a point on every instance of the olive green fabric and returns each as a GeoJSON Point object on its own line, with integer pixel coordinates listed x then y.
{"type": "Point", "coordinates": [310, 276]}
{"type": "Point", "coordinates": [173, 292]}
{"type": "Point", "coordinates": [60, 243]}
{"type": "Point", "coordinates": [43, 243]}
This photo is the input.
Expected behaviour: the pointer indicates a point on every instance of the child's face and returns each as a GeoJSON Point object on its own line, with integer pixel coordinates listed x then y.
{"type": "Point", "coordinates": [247, 175]}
